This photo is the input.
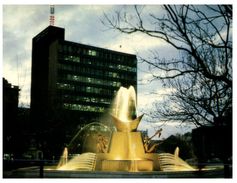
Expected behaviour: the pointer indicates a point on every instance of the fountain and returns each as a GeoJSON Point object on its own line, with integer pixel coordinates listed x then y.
{"type": "Point", "coordinates": [126, 150]}
{"type": "Point", "coordinates": [117, 153]}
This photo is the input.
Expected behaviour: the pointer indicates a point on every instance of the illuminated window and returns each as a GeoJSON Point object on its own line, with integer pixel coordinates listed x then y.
{"type": "Point", "coordinates": [89, 80]}
{"type": "Point", "coordinates": [93, 99]}
{"type": "Point", "coordinates": [65, 86]}
{"type": "Point", "coordinates": [92, 52]}
{"type": "Point", "coordinates": [88, 89]}
{"type": "Point", "coordinates": [80, 107]}
{"type": "Point", "coordinates": [72, 58]}
{"type": "Point", "coordinates": [115, 75]}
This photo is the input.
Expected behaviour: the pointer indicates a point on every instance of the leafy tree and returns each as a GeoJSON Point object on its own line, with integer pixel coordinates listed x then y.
{"type": "Point", "coordinates": [201, 79]}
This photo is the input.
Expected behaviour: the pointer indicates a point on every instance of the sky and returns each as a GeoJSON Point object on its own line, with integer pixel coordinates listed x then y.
{"type": "Point", "coordinates": [82, 23]}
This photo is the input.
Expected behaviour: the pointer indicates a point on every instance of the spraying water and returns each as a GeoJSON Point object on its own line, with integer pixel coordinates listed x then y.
{"type": "Point", "coordinates": [124, 107]}
{"type": "Point", "coordinates": [64, 158]}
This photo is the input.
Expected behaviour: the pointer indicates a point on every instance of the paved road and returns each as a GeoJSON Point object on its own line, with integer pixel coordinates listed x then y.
{"type": "Point", "coordinates": [34, 172]}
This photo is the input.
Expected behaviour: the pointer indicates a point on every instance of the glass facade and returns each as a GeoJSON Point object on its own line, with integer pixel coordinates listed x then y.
{"type": "Point", "coordinates": [89, 77]}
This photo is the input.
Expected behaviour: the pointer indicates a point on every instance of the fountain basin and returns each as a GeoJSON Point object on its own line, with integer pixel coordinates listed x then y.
{"type": "Point", "coordinates": [146, 163]}
{"type": "Point", "coordinates": [127, 165]}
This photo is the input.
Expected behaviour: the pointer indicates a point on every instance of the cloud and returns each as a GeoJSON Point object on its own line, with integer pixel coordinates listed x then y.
{"type": "Point", "coordinates": [146, 99]}
{"type": "Point", "coordinates": [134, 44]}
{"type": "Point", "coordinates": [148, 95]}
{"type": "Point", "coordinates": [20, 24]}
{"type": "Point", "coordinates": [83, 24]}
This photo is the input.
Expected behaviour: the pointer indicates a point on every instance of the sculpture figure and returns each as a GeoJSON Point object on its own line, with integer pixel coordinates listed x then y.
{"type": "Point", "coordinates": [102, 144]}
{"type": "Point", "coordinates": [148, 146]}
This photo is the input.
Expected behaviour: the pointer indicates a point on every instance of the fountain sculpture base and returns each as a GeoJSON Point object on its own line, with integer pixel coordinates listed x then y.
{"type": "Point", "coordinates": [126, 153]}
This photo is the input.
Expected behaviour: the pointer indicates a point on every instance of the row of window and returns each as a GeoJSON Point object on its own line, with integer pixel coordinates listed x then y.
{"type": "Point", "coordinates": [96, 72]}
{"type": "Point", "coordinates": [84, 79]}
{"type": "Point", "coordinates": [86, 99]}
{"type": "Point", "coordinates": [79, 107]}
{"type": "Point", "coordinates": [65, 86]}
{"type": "Point", "coordinates": [72, 58]}
{"type": "Point", "coordinates": [95, 62]}
{"type": "Point", "coordinates": [75, 50]}
{"type": "Point", "coordinates": [87, 89]}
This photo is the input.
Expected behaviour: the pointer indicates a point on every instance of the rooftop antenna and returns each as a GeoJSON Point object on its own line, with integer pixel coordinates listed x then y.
{"type": "Point", "coordinates": [51, 17]}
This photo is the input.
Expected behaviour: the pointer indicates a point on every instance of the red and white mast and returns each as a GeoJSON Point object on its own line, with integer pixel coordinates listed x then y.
{"type": "Point", "coordinates": [51, 16]}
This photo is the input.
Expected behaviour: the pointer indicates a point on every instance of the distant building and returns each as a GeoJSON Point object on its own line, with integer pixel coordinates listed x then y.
{"type": "Point", "coordinates": [10, 108]}
{"type": "Point", "coordinates": [74, 84]}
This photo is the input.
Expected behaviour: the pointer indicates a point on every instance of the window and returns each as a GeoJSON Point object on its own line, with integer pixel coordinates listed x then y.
{"type": "Point", "coordinates": [65, 86]}
{"type": "Point", "coordinates": [89, 80]}
{"type": "Point", "coordinates": [80, 107]}
{"type": "Point", "coordinates": [72, 58]}
{"type": "Point", "coordinates": [69, 48]}
{"type": "Point", "coordinates": [92, 52]}
{"type": "Point", "coordinates": [88, 89]}
{"type": "Point", "coordinates": [65, 48]}
{"type": "Point", "coordinates": [60, 48]}
{"type": "Point", "coordinates": [115, 75]}
{"type": "Point", "coordinates": [114, 84]}
{"type": "Point", "coordinates": [78, 50]}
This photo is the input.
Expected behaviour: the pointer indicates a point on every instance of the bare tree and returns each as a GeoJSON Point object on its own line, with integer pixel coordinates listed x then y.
{"type": "Point", "coordinates": [196, 99]}
{"type": "Point", "coordinates": [202, 77]}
